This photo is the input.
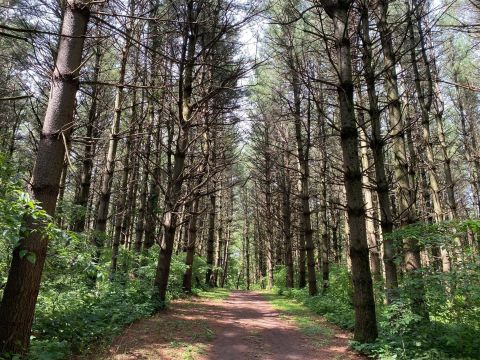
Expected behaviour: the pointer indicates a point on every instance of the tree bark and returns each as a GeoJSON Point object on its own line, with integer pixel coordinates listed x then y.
{"type": "Point", "coordinates": [174, 186]}
{"type": "Point", "coordinates": [21, 291]}
{"type": "Point", "coordinates": [364, 303]}
{"type": "Point", "coordinates": [367, 194]}
{"type": "Point", "coordinates": [377, 145]}
{"type": "Point", "coordinates": [303, 154]}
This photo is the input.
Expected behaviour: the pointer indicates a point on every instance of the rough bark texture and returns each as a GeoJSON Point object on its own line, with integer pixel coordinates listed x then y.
{"type": "Point", "coordinates": [363, 300]}
{"type": "Point", "coordinates": [21, 291]}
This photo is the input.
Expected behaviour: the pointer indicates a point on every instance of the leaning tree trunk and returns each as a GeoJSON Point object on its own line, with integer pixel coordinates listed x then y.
{"type": "Point", "coordinates": [363, 300]}
{"type": "Point", "coordinates": [21, 291]}
{"type": "Point", "coordinates": [469, 142]}
{"type": "Point", "coordinates": [170, 219]}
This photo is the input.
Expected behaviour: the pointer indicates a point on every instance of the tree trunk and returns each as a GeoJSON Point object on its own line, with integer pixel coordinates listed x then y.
{"type": "Point", "coordinates": [303, 153]}
{"type": "Point", "coordinates": [140, 224]}
{"type": "Point", "coordinates": [287, 222]}
{"type": "Point", "coordinates": [122, 207]}
{"type": "Point", "coordinates": [108, 171]}
{"type": "Point", "coordinates": [89, 149]}
{"type": "Point", "coordinates": [191, 241]}
{"type": "Point", "coordinates": [377, 145]}
{"type": "Point", "coordinates": [364, 303]}
{"type": "Point", "coordinates": [174, 187]}
{"type": "Point", "coordinates": [325, 247]}
{"type": "Point", "coordinates": [406, 202]}
{"type": "Point", "coordinates": [246, 236]}
{"type": "Point", "coordinates": [268, 215]}
{"type": "Point", "coordinates": [367, 194]}
{"type": "Point", "coordinates": [220, 236]}
{"type": "Point", "coordinates": [211, 238]}
{"type": "Point", "coordinates": [21, 291]}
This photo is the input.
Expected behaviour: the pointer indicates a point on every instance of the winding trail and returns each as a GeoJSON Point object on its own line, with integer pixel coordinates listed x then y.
{"type": "Point", "coordinates": [244, 326]}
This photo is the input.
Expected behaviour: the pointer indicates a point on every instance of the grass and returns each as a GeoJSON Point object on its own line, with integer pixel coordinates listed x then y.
{"type": "Point", "coordinates": [305, 319]}
{"type": "Point", "coordinates": [214, 294]}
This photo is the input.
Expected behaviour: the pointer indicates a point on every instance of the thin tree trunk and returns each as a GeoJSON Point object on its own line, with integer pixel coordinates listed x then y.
{"type": "Point", "coordinates": [220, 235]}
{"type": "Point", "coordinates": [406, 202]}
{"type": "Point", "coordinates": [324, 210]}
{"type": "Point", "coordinates": [191, 242]}
{"type": "Point", "coordinates": [140, 225]}
{"type": "Point", "coordinates": [211, 238]}
{"type": "Point", "coordinates": [287, 224]}
{"type": "Point", "coordinates": [108, 171]}
{"type": "Point", "coordinates": [89, 149]}
{"type": "Point", "coordinates": [377, 144]}
{"type": "Point", "coordinates": [269, 216]}
{"type": "Point", "coordinates": [303, 153]}
{"type": "Point", "coordinates": [246, 235]}
{"type": "Point", "coordinates": [174, 187]}
{"type": "Point", "coordinates": [122, 207]}
{"type": "Point", "coordinates": [367, 193]}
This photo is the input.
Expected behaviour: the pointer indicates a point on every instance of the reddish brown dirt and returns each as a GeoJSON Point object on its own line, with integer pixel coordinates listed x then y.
{"type": "Point", "coordinates": [244, 326]}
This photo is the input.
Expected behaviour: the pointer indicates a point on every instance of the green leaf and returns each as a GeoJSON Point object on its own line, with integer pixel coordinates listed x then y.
{"type": "Point", "coordinates": [31, 257]}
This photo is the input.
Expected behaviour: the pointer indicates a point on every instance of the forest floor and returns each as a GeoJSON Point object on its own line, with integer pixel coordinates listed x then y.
{"type": "Point", "coordinates": [231, 326]}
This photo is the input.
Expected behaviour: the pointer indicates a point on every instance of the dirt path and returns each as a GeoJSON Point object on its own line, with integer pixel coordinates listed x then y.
{"type": "Point", "coordinates": [244, 326]}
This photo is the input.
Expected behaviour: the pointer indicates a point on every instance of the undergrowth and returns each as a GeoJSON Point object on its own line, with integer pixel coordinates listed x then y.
{"type": "Point", "coordinates": [452, 332]}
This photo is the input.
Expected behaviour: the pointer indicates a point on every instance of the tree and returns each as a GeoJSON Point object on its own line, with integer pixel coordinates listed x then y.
{"type": "Point", "coordinates": [364, 303]}
{"type": "Point", "coordinates": [21, 291]}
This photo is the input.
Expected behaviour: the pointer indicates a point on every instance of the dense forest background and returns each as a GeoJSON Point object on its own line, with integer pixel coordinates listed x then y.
{"type": "Point", "coordinates": [326, 150]}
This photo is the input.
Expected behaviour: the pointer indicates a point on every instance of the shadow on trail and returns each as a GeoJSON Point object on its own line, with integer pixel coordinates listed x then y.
{"type": "Point", "coordinates": [242, 327]}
